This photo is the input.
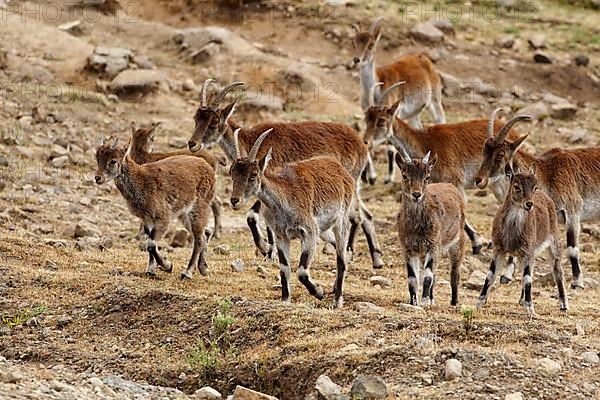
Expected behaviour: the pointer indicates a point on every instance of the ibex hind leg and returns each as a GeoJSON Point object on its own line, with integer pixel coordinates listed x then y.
{"type": "Point", "coordinates": [368, 227]}
{"type": "Point", "coordinates": [341, 231]}
{"type": "Point", "coordinates": [557, 271]}
{"type": "Point", "coordinates": [198, 219]}
{"type": "Point", "coordinates": [155, 235]}
{"type": "Point", "coordinates": [309, 242]}
{"type": "Point", "coordinates": [456, 254]}
{"type": "Point", "coordinates": [573, 229]}
{"type": "Point", "coordinates": [215, 205]}
{"type": "Point", "coordinates": [435, 106]}
{"type": "Point", "coordinates": [252, 220]}
{"type": "Point", "coordinates": [497, 262]}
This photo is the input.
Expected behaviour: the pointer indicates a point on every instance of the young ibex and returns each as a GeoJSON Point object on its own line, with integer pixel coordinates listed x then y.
{"type": "Point", "coordinates": [457, 147]}
{"type": "Point", "coordinates": [159, 192]}
{"type": "Point", "coordinates": [422, 85]}
{"type": "Point", "coordinates": [141, 145]}
{"type": "Point", "coordinates": [430, 223]}
{"type": "Point", "coordinates": [570, 177]}
{"type": "Point", "coordinates": [524, 226]}
{"type": "Point", "coordinates": [290, 141]}
{"type": "Point", "coordinates": [303, 200]}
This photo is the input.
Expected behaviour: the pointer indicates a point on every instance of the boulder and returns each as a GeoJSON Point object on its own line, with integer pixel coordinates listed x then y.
{"type": "Point", "coordinates": [368, 388]}
{"type": "Point", "coordinates": [426, 32]}
{"type": "Point", "coordinates": [109, 61]}
{"type": "Point", "coordinates": [563, 110]}
{"type": "Point", "coordinates": [537, 111]}
{"type": "Point", "coordinates": [328, 389]}
{"type": "Point", "coordinates": [537, 41]}
{"type": "Point", "coordinates": [541, 57]}
{"type": "Point", "coordinates": [242, 393]}
{"type": "Point", "coordinates": [549, 366]}
{"type": "Point", "coordinates": [207, 393]}
{"type": "Point", "coordinates": [453, 369]}
{"type": "Point", "coordinates": [476, 280]}
{"type": "Point", "coordinates": [142, 81]}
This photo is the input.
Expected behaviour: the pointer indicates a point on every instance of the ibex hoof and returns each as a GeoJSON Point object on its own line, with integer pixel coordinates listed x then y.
{"type": "Point", "coordinates": [477, 249]}
{"type": "Point", "coordinates": [505, 279]}
{"type": "Point", "coordinates": [185, 277]}
{"type": "Point", "coordinates": [168, 267]}
{"type": "Point", "coordinates": [203, 271]}
{"type": "Point", "coordinates": [320, 293]}
{"type": "Point", "coordinates": [151, 274]}
{"type": "Point", "coordinates": [577, 286]}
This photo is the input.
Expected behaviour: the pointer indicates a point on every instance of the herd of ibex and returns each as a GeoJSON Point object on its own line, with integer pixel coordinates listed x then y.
{"type": "Point", "coordinates": [305, 179]}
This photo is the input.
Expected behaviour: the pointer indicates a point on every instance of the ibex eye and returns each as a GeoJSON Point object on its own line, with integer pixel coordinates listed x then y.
{"type": "Point", "coordinates": [112, 162]}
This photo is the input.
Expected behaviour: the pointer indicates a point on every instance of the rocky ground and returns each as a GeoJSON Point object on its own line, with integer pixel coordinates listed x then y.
{"type": "Point", "coordinates": [80, 319]}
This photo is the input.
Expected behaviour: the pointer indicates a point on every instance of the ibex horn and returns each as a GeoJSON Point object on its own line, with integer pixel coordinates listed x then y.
{"type": "Point", "coordinates": [254, 150]}
{"type": "Point", "coordinates": [387, 92]}
{"type": "Point", "coordinates": [203, 91]}
{"type": "Point", "coordinates": [375, 25]}
{"type": "Point", "coordinates": [221, 96]}
{"type": "Point", "coordinates": [236, 146]}
{"type": "Point", "coordinates": [492, 121]}
{"type": "Point", "coordinates": [426, 158]}
{"type": "Point", "coordinates": [372, 93]}
{"type": "Point", "coordinates": [504, 131]}
{"type": "Point", "coordinates": [400, 147]}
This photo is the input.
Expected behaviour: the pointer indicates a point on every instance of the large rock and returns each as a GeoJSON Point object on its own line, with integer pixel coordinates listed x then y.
{"type": "Point", "coordinates": [549, 366]}
{"type": "Point", "coordinates": [563, 110]}
{"type": "Point", "coordinates": [180, 238]}
{"type": "Point", "coordinates": [514, 396]}
{"type": "Point", "coordinates": [381, 281]}
{"type": "Point", "coordinates": [328, 389]}
{"type": "Point", "coordinates": [368, 388]}
{"type": "Point", "coordinates": [541, 57]}
{"type": "Point", "coordinates": [109, 61]}
{"type": "Point", "coordinates": [537, 111]}
{"type": "Point", "coordinates": [242, 393]}
{"type": "Point", "coordinates": [590, 357]}
{"type": "Point", "coordinates": [537, 41]}
{"type": "Point", "coordinates": [427, 32]}
{"type": "Point", "coordinates": [142, 81]}
{"type": "Point", "coordinates": [476, 280]}
{"type": "Point", "coordinates": [368, 308]}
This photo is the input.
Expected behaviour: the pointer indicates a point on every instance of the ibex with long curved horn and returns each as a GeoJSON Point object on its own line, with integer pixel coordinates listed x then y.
{"type": "Point", "coordinates": [290, 141]}
{"type": "Point", "coordinates": [430, 223]}
{"type": "Point", "coordinates": [422, 88]}
{"type": "Point", "coordinates": [303, 200]}
{"type": "Point", "coordinates": [570, 177]}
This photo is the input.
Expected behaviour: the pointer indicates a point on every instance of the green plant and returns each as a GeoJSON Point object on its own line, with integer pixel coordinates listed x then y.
{"type": "Point", "coordinates": [512, 30]}
{"type": "Point", "coordinates": [23, 316]}
{"type": "Point", "coordinates": [467, 313]}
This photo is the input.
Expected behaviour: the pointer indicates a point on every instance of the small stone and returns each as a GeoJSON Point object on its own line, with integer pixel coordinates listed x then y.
{"type": "Point", "coordinates": [590, 357]}
{"type": "Point", "coordinates": [85, 201]}
{"type": "Point", "coordinates": [60, 162]}
{"type": "Point", "coordinates": [427, 379]}
{"type": "Point", "coordinates": [542, 58]}
{"type": "Point", "coordinates": [409, 308]}
{"type": "Point", "coordinates": [84, 229]}
{"type": "Point", "coordinates": [51, 265]}
{"type": "Point", "coordinates": [514, 396]}
{"type": "Point", "coordinates": [368, 387]}
{"type": "Point", "coordinates": [96, 382]}
{"type": "Point", "coordinates": [453, 369]}
{"type": "Point", "coordinates": [368, 308]}
{"type": "Point", "coordinates": [64, 321]}
{"type": "Point", "coordinates": [380, 280]}
{"type": "Point", "coordinates": [550, 366]}
{"type": "Point", "coordinates": [3, 161]}
{"type": "Point", "coordinates": [4, 330]}
{"type": "Point", "coordinates": [57, 386]}
{"type": "Point", "coordinates": [579, 331]}
{"type": "Point", "coordinates": [327, 388]}
{"type": "Point", "coordinates": [563, 111]}
{"type": "Point", "coordinates": [588, 248]}
{"type": "Point", "coordinates": [537, 111]}
{"type": "Point", "coordinates": [222, 250]}
{"type": "Point", "coordinates": [242, 393]}
{"type": "Point", "coordinates": [180, 238]}
{"type": "Point", "coordinates": [10, 377]}
{"type": "Point", "coordinates": [537, 42]}
{"type": "Point", "coordinates": [581, 60]}
{"type": "Point", "coordinates": [591, 283]}
{"type": "Point", "coordinates": [427, 32]}
{"type": "Point", "coordinates": [505, 42]}
{"type": "Point", "coordinates": [24, 151]}
{"type": "Point", "coordinates": [189, 85]}
{"type": "Point", "coordinates": [476, 280]}
{"type": "Point", "coordinates": [57, 151]}
{"type": "Point", "coordinates": [207, 393]}
{"type": "Point", "coordinates": [350, 348]}
{"type": "Point", "coordinates": [237, 265]}
{"type": "Point", "coordinates": [262, 271]}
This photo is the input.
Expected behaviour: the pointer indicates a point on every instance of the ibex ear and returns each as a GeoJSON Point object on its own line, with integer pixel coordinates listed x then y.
{"type": "Point", "coordinates": [532, 169]}
{"type": "Point", "coordinates": [132, 127]}
{"type": "Point", "coordinates": [508, 170]}
{"type": "Point", "coordinates": [264, 162]}
{"type": "Point", "coordinates": [400, 161]}
{"type": "Point", "coordinates": [102, 140]}
{"type": "Point", "coordinates": [514, 146]}
{"type": "Point", "coordinates": [433, 159]}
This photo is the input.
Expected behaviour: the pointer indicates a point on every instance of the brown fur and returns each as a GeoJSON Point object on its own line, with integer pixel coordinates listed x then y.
{"type": "Point", "coordinates": [524, 226]}
{"type": "Point", "coordinates": [430, 225]}
{"type": "Point", "coordinates": [159, 192]}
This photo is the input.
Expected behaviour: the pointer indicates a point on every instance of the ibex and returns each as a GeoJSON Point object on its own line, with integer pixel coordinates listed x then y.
{"type": "Point", "coordinates": [290, 141]}
{"type": "Point", "coordinates": [430, 223]}
{"type": "Point", "coordinates": [303, 200]}
{"type": "Point", "coordinates": [422, 88]}
{"type": "Point", "coordinates": [159, 192]}
{"type": "Point", "coordinates": [457, 147]}
{"type": "Point", "coordinates": [570, 177]}
{"type": "Point", "coordinates": [525, 226]}
{"type": "Point", "coordinates": [141, 145]}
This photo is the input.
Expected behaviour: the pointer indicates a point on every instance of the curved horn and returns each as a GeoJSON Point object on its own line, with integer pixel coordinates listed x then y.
{"type": "Point", "coordinates": [372, 93]}
{"type": "Point", "coordinates": [102, 140]}
{"type": "Point", "coordinates": [203, 91]}
{"type": "Point", "coordinates": [356, 27]}
{"type": "Point", "coordinates": [492, 120]}
{"type": "Point", "coordinates": [114, 145]}
{"type": "Point", "coordinates": [504, 131]}
{"type": "Point", "coordinates": [375, 25]}
{"type": "Point", "coordinates": [426, 158]}
{"type": "Point", "coordinates": [236, 146]}
{"type": "Point", "coordinates": [400, 147]}
{"type": "Point", "coordinates": [221, 96]}
{"type": "Point", "coordinates": [254, 150]}
{"type": "Point", "coordinates": [387, 92]}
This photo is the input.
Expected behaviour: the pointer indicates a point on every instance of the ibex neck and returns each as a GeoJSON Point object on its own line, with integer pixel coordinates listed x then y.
{"type": "Point", "coordinates": [409, 138]}
{"type": "Point", "coordinates": [270, 191]}
{"type": "Point", "coordinates": [132, 193]}
{"type": "Point", "coordinates": [368, 78]}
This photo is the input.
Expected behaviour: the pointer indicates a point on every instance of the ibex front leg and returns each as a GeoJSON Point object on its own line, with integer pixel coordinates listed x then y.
{"type": "Point", "coordinates": [497, 262]}
{"type": "Point", "coordinates": [283, 252]}
{"type": "Point", "coordinates": [528, 264]}
{"type": "Point", "coordinates": [428, 278]}
{"type": "Point", "coordinates": [412, 269]}
{"type": "Point", "coordinates": [156, 234]}
{"type": "Point", "coordinates": [309, 242]}
{"type": "Point", "coordinates": [573, 229]}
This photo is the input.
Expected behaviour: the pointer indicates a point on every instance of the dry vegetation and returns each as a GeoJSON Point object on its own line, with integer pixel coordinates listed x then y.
{"type": "Point", "coordinates": [86, 304]}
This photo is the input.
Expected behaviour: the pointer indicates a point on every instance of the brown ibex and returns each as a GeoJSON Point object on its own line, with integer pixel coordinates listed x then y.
{"type": "Point", "coordinates": [457, 147]}
{"type": "Point", "coordinates": [422, 85]}
{"type": "Point", "coordinates": [141, 145]}
{"type": "Point", "coordinates": [570, 177]}
{"type": "Point", "coordinates": [290, 141]}
{"type": "Point", "coordinates": [524, 226]}
{"type": "Point", "coordinates": [301, 201]}
{"type": "Point", "coordinates": [159, 192]}
{"type": "Point", "coordinates": [430, 223]}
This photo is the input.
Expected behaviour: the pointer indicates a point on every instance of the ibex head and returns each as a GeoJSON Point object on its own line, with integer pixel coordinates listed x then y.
{"type": "Point", "coordinates": [379, 117]}
{"type": "Point", "coordinates": [210, 121]}
{"type": "Point", "coordinates": [523, 186]}
{"type": "Point", "coordinates": [247, 172]}
{"type": "Point", "coordinates": [109, 157]}
{"type": "Point", "coordinates": [365, 42]}
{"type": "Point", "coordinates": [416, 174]}
{"type": "Point", "coordinates": [498, 153]}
